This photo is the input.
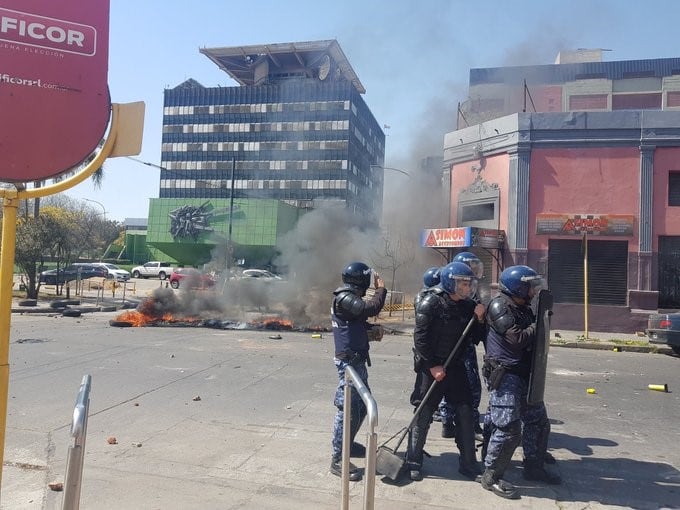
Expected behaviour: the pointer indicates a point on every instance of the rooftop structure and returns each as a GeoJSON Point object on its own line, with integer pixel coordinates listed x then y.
{"type": "Point", "coordinates": [262, 64]}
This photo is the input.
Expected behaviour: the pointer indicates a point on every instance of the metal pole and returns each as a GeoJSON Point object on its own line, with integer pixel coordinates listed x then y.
{"type": "Point", "coordinates": [231, 218]}
{"type": "Point", "coordinates": [352, 378]}
{"type": "Point", "coordinates": [585, 285]}
{"type": "Point", "coordinates": [74, 462]}
{"type": "Point", "coordinates": [7, 250]}
{"type": "Point", "coordinates": [347, 407]}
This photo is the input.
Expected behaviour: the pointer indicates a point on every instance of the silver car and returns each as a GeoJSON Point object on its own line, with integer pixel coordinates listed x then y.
{"type": "Point", "coordinates": [115, 273]}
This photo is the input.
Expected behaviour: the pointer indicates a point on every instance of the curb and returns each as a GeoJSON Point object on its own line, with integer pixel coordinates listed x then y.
{"type": "Point", "coordinates": [653, 349]}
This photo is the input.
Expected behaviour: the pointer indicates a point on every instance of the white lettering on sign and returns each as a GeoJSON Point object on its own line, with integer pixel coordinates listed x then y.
{"type": "Point", "coordinates": [33, 30]}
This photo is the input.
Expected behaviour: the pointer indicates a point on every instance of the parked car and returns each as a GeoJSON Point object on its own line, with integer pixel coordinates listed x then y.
{"type": "Point", "coordinates": [193, 277]}
{"type": "Point", "coordinates": [664, 328]}
{"type": "Point", "coordinates": [153, 269]}
{"type": "Point", "coordinates": [72, 272]}
{"type": "Point", "coordinates": [261, 274]}
{"type": "Point", "coordinates": [115, 273]}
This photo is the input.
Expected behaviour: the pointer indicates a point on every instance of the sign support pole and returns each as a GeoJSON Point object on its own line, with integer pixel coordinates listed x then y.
{"type": "Point", "coordinates": [585, 285]}
{"type": "Point", "coordinates": [11, 199]}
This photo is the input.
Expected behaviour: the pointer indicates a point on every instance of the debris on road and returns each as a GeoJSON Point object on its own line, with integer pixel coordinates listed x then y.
{"type": "Point", "coordinates": [56, 486]}
{"type": "Point", "coordinates": [112, 440]}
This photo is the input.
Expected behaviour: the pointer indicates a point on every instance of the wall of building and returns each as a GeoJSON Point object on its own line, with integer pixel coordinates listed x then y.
{"type": "Point", "coordinates": [495, 171]}
{"type": "Point", "coordinates": [583, 181]}
{"type": "Point", "coordinates": [256, 225]}
{"type": "Point", "coordinates": [666, 219]}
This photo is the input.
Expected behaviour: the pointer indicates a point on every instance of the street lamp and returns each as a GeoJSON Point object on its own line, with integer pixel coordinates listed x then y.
{"type": "Point", "coordinates": [99, 204]}
{"type": "Point", "coordinates": [391, 168]}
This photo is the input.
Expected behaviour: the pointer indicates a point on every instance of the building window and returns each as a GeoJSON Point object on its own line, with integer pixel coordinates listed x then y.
{"type": "Point", "coordinates": [588, 102]}
{"type": "Point", "coordinates": [478, 212]}
{"type": "Point", "coordinates": [636, 101]}
{"type": "Point", "coordinates": [672, 99]}
{"type": "Point", "coordinates": [674, 189]}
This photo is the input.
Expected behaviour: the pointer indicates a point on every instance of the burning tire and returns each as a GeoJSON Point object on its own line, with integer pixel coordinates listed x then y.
{"type": "Point", "coordinates": [120, 324]}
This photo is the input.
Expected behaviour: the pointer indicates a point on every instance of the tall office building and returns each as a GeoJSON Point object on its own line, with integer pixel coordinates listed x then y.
{"type": "Point", "coordinates": [294, 135]}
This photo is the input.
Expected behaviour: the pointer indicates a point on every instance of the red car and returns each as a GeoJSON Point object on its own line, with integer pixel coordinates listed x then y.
{"type": "Point", "coordinates": [191, 277]}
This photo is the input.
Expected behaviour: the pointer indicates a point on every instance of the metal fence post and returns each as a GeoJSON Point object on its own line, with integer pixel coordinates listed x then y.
{"type": "Point", "coordinates": [352, 378]}
{"type": "Point", "coordinates": [74, 461]}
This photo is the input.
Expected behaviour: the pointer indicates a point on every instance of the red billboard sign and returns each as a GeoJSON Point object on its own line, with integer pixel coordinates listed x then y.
{"type": "Point", "coordinates": [578, 224]}
{"type": "Point", "coordinates": [53, 85]}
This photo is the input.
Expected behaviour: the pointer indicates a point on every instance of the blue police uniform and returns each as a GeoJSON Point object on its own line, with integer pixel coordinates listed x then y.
{"type": "Point", "coordinates": [507, 369]}
{"type": "Point", "coordinates": [348, 314]}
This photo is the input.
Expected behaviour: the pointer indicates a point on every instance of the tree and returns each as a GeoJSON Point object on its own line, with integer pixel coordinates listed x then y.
{"type": "Point", "coordinates": [35, 237]}
{"type": "Point", "coordinates": [65, 231]}
{"type": "Point", "coordinates": [395, 253]}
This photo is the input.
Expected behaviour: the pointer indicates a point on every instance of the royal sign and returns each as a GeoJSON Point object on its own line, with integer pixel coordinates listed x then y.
{"type": "Point", "coordinates": [579, 224]}
{"type": "Point", "coordinates": [54, 94]}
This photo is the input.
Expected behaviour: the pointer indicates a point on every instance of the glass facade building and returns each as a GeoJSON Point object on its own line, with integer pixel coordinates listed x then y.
{"type": "Point", "coordinates": [295, 130]}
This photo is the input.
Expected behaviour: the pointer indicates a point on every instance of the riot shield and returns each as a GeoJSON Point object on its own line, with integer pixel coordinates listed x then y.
{"type": "Point", "coordinates": [539, 359]}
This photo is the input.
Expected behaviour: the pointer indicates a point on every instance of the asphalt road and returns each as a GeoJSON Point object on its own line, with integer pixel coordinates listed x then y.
{"type": "Point", "coordinates": [259, 436]}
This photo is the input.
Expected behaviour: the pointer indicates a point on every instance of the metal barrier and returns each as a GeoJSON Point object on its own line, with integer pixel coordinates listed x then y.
{"type": "Point", "coordinates": [74, 461]}
{"type": "Point", "coordinates": [352, 378]}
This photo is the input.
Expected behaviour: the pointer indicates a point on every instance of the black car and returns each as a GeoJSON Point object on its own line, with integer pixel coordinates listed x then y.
{"type": "Point", "coordinates": [664, 328]}
{"type": "Point", "coordinates": [72, 272]}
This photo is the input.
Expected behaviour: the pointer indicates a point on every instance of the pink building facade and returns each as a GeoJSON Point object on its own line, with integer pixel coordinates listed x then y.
{"type": "Point", "coordinates": [589, 199]}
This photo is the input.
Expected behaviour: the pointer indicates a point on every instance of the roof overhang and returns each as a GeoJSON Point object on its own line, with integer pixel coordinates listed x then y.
{"type": "Point", "coordinates": [241, 62]}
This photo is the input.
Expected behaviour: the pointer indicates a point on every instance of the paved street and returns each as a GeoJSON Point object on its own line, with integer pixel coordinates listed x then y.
{"type": "Point", "coordinates": [259, 437]}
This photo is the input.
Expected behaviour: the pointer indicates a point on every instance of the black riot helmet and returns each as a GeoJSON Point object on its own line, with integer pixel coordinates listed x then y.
{"type": "Point", "coordinates": [357, 274]}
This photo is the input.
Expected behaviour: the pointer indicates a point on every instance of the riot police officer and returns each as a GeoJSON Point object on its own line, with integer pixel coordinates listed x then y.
{"type": "Point", "coordinates": [471, 365]}
{"type": "Point", "coordinates": [507, 366]}
{"type": "Point", "coordinates": [430, 279]}
{"type": "Point", "coordinates": [350, 334]}
{"type": "Point", "coordinates": [441, 316]}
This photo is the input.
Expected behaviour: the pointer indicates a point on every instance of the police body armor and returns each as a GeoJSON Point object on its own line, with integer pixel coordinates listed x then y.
{"type": "Point", "coordinates": [349, 333]}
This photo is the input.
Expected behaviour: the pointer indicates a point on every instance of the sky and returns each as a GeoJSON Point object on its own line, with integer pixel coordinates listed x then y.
{"type": "Point", "coordinates": [413, 58]}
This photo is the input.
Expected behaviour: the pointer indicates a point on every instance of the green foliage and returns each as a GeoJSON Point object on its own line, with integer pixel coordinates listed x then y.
{"type": "Point", "coordinates": [64, 232]}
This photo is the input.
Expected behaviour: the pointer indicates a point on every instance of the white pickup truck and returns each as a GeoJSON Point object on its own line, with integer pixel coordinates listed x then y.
{"type": "Point", "coordinates": [153, 269]}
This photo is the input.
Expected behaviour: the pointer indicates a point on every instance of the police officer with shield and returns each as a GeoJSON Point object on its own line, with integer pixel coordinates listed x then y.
{"type": "Point", "coordinates": [351, 336]}
{"type": "Point", "coordinates": [507, 369]}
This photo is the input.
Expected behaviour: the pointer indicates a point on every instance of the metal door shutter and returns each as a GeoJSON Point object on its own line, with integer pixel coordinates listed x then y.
{"type": "Point", "coordinates": [669, 274]}
{"type": "Point", "coordinates": [607, 271]}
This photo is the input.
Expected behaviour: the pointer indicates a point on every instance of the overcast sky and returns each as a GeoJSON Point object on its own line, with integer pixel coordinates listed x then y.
{"type": "Point", "coordinates": [413, 58]}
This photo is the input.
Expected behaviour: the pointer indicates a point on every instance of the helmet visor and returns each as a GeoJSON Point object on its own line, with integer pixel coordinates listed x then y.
{"type": "Point", "coordinates": [465, 287]}
{"type": "Point", "coordinates": [536, 283]}
{"type": "Point", "coordinates": [477, 267]}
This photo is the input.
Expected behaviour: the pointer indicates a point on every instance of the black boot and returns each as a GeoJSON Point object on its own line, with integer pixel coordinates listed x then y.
{"type": "Point", "coordinates": [414, 456]}
{"type": "Point", "coordinates": [336, 469]}
{"type": "Point", "coordinates": [492, 482]}
{"type": "Point", "coordinates": [535, 471]}
{"type": "Point", "coordinates": [357, 450]}
{"type": "Point", "coordinates": [465, 440]}
{"type": "Point", "coordinates": [448, 430]}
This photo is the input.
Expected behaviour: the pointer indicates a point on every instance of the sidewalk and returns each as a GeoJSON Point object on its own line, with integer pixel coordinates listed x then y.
{"type": "Point", "coordinates": [628, 342]}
